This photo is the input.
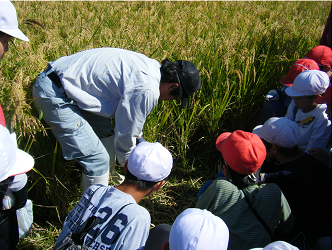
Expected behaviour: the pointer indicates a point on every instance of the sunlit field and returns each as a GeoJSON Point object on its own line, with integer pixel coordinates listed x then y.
{"type": "Point", "coordinates": [242, 50]}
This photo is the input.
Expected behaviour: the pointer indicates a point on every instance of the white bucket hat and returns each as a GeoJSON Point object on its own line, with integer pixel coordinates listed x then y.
{"type": "Point", "coordinates": [196, 229]}
{"type": "Point", "coordinates": [150, 162]}
{"type": "Point", "coordinates": [8, 21]}
{"type": "Point", "coordinates": [279, 131]}
{"type": "Point", "coordinates": [13, 161]}
{"type": "Point", "coordinates": [278, 245]}
{"type": "Point", "coordinates": [309, 82]}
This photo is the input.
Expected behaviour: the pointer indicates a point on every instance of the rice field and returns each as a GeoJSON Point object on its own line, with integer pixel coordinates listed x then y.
{"type": "Point", "coordinates": [242, 49]}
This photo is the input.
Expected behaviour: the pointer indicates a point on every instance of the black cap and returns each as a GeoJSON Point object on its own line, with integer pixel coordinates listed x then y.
{"type": "Point", "coordinates": [189, 79]}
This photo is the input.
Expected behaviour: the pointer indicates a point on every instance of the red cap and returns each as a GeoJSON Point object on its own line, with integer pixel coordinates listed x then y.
{"type": "Point", "coordinates": [299, 66]}
{"type": "Point", "coordinates": [244, 152]}
{"type": "Point", "coordinates": [2, 118]}
{"type": "Point", "coordinates": [326, 98]}
{"type": "Point", "coordinates": [321, 54]}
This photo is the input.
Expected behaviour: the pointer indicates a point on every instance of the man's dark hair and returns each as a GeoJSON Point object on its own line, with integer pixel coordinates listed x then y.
{"type": "Point", "coordinates": [241, 180]}
{"type": "Point", "coordinates": [139, 185]}
{"type": "Point", "coordinates": [169, 75]}
{"type": "Point", "coordinates": [284, 151]}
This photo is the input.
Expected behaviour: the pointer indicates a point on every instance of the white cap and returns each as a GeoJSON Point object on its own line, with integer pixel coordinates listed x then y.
{"type": "Point", "coordinates": [8, 21]}
{"type": "Point", "coordinates": [279, 131]}
{"type": "Point", "coordinates": [309, 82]}
{"type": "Point", "coordinates": [150, 162]}
{"type": "Point", "coordinates": [196, 229]}
{"type": "Point", "coordinates": [278, 245]}
{"type": "Point", "coordinates": [13, 161]}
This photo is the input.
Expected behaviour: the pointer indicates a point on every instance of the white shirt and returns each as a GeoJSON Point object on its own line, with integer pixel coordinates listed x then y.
{"type": "Point", "coordinates": [113, 83]}
{"type": "Point", "coordinates": [314, 126]}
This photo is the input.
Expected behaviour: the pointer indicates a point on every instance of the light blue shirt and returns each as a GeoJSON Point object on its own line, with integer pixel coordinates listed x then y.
{"type": "Point", "coordinates": [113, 83]}
{"type": "Point", "coordinates": [128, 230]}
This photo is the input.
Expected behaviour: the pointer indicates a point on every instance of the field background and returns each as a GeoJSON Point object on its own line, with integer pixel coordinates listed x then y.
{"type": "Point", "coordinates": [242, 50]}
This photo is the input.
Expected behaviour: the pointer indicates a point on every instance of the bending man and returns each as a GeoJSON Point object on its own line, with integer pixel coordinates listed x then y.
{"type": "Point", "coordinates": [80, 93]}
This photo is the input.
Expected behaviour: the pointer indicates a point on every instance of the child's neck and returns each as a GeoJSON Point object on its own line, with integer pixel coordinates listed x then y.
{"type": "Point", "coordinates": [310, 108]}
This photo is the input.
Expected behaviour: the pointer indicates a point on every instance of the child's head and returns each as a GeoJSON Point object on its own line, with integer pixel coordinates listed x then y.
{"type": "Point", "coordinates": [322, 55]}
{"type": "Point", "coordinates": [198, 229]}
{"type": "Point", "coordinates": [243, 154]}
{"type": "Point", "coordinates": [13, 161]}
{"type": "Point", "coordinates": [299, 66]}
{"type": "Point", "coordinates": [148, 164]}
{"type": "Point", "coordinates": [281, 132]}
{"type": "Point", "coordinates": [308, 85]}
{"type": "Point", "coordinates": [8, 26]}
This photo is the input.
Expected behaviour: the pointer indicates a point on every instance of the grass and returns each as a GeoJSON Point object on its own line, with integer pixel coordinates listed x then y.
{"type": "Point", "coordinates": [242, 49]}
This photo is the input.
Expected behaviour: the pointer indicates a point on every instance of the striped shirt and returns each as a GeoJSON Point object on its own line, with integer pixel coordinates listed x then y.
{"type": "Point", "coordinates": [227, 201]}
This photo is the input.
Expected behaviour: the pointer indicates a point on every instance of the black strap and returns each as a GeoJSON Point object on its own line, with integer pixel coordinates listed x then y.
{"type": "Point", "coordinates": [55, 79]}
{"type": "Point", "coordinates": [294, 112]}
{"type": "Point", "coordinates": [4, 186]}
{"type": "Point", "coordinates": [80, 219]}
{"type": "Point", "coordinates": [257, 215]}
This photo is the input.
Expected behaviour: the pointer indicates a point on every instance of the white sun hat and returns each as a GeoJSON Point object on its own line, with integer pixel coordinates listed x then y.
{"type": "Point", "coordinates": [309, 82]}
{"type": "Point", "coordinates": [196, 229]}
{"type": "Point", "coordinates": [13, 161]}
{"type": "Point", "coordinates": [279, 131]}
{"type": "Point", "coordinates": [278, 245]}
{"type": "Point", "coordinates": [150, 162]}
{"type": "Point", "coordinates": [8, 21]}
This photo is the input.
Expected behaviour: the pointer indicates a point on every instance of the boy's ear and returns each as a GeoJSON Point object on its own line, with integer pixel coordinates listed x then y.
{"type": "Point", "coordinates": [158, 185]}
{"type": "Point", "coordinates": [125, 167]}
{"type": "Point", "coordinates": [165, 245]}
{"type": "Point", "coordinates": [173, 85]}
{"type": "Point", "coordinates": [274, 148]}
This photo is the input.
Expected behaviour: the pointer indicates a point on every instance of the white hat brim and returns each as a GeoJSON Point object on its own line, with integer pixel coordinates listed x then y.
{"type": "Point", "coordinates": [257, 131]}
{"type": "Point", "coordinates": [290, 92]}
{"type": "Point", "coordinates": [17, 33]}
{"type": "Point", "coordinates": [24, 163]}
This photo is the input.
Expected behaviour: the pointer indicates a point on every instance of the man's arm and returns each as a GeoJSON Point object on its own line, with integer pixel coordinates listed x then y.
{"type": "Point", "coordinates": [130, 117]}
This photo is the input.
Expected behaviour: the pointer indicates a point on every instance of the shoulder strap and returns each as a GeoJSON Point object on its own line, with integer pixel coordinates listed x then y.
{"type": "Point", "coordinates": [257, 215]}
{"type": "Point", "coordinates": [3, 188]}
{"type": "Point", "coordinates": [83, 212]}
{"type": "Point", "coordinates": [294, 112]}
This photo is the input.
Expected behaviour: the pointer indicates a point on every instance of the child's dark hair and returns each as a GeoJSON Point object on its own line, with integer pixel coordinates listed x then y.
{"type": "Point", "coordinates": [241, 180]}
{"type": "Point", "coordinates": [140, 185]}
{"type": "Point", "coordinates": [2, 34]}
{"type": "Point", "coordinates": [284, 151]}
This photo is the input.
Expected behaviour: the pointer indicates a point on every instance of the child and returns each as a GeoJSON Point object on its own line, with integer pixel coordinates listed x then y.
{"type": "Point", "coordinates": [305, 184]}
{"type": "Point", "coordinates": [197, 229]}
{"type": "Point", "coordinates": [8, 29]}
{"type": "Point", "coordinates": [322, 55]}
{"type": "Point", "coordinates": [242, 154]}
{"type": "Point", "coordinates": [147, 167]}
{"type": "Point", "coordinates": [8, 26]}
{"type": "Point", "coordinates": [14, 163]}
{"type": "Point", "coordinates": [278, 100]}
{"type": "Point", "coordinates": [314, 125]}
